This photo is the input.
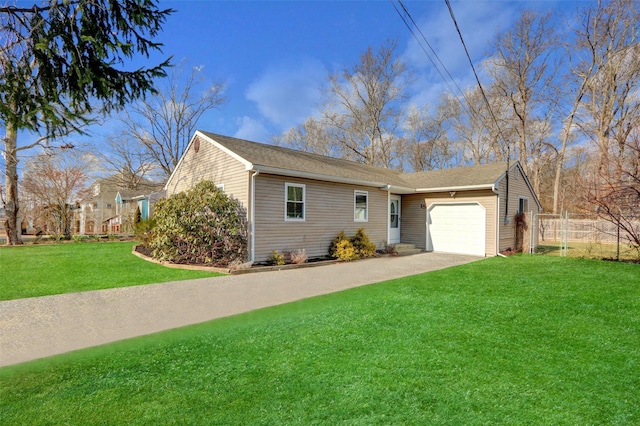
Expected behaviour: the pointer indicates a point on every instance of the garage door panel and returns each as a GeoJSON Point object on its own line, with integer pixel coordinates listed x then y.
{"type": "Point", "coordinates": [457, 228]}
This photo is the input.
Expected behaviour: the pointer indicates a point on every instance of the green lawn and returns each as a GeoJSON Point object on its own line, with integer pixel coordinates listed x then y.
{"type": "Point", "coordinates": [524, 340]}
{"type": "Point", "coordinates": [40, 270]}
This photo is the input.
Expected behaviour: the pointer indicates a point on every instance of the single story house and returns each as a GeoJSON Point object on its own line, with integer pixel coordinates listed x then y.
{"type": "Point", "coordinates": [299, 200]}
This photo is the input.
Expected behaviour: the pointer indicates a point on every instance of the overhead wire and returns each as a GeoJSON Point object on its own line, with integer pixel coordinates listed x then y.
{"type": "Point", "coordinates": [467, 105]}
{"type": "Point", "coordinates": [506, 203]}
{"type": "Point", "coordinates": [473, 68]}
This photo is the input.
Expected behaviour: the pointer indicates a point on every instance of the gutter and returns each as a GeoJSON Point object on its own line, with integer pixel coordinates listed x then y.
{"type": "Point", "coordinates": [457, 188]}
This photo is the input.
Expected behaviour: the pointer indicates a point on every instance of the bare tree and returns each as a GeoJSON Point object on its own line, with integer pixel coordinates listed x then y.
{"type": "Point", "coordinates": [616, 192]}
{"type": "Point", "coordinates": [364, 106]}
{"type": "Point", "coordinates": [524, 74]}
{"type": "Point", "coordinates": [608, 39]}
{"type": "Point", "coordinates": [480, 136]}
{"type": "Point", "coordinates": [55, 181]}
{"type": "Point", "coordinates": [426, 145]}
{"type": "Point", "coordinates": [130, 160]}
{"type": "Point", "coordinates": [604, 71]}
{"type": "Point", "coordinates": [311, 136]}
{"type": "Point", "coordinates": [165, 122]}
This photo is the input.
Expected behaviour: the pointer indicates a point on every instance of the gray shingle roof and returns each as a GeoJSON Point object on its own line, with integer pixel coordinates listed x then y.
{"type": "Point", "coordinates": [287, 159]}
{"type": "Point", "coordinates": [485, 174]}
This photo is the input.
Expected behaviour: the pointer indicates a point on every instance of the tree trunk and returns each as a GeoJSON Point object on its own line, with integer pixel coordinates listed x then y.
{"type": "Point", "coordinates": [11, 186]}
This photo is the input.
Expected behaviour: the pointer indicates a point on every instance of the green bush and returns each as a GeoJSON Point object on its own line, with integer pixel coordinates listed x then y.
{"type": "Point", "coordinates": [351, 248]}
{"type": "Point", "coordinates": [137, 217]}
{"type": "Point", "coordinates": [143, 231]}
{"type": "Point", "coordinates": [200, 226]}
{"type": "Point", "coordinates": [344, 250]}
{"type": "Point", "coordinates": [362, 244]}
{"type": "Point", "coordinates": [276, 258]}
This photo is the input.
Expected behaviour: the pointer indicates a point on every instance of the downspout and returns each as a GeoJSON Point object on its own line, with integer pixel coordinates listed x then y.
{"type": "Point", "coordinates": [498, 226]}
{"type": "Point", "coordinates": [506, 201]}
{"type": "Point", "coordinates": [252, 226]}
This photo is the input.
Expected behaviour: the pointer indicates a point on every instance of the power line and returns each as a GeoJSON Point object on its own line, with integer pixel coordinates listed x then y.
{"type": "Point", "coordinates": [484, 96]}
{"type": "Point", "coordinates": [430, 47]}
{"type": "Point", "coordinates": [467, 105]}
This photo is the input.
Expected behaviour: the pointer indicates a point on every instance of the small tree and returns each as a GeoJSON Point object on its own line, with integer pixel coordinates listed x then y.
{"type": "Point", "coordinates": [200, 226]}
{"type": "Point", "coordinates": [137, 217]}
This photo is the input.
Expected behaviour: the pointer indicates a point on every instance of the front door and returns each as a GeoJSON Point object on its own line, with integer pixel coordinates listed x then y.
{"type": "Point", "coordinates": [394, 219]}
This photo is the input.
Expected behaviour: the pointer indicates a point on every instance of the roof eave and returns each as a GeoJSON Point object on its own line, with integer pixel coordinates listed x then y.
{"type": "Point", "coordinates": [456, 188]}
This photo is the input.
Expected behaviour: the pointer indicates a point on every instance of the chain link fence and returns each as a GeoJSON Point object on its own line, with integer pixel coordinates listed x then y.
{"type": "Point", "coordinates": [576, 235]}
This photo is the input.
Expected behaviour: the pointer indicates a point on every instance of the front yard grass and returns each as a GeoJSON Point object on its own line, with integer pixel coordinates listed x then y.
{"type": "Point", "coordinates": [523, 340]}
{"type": "Point", "coordinates": [41, 270]}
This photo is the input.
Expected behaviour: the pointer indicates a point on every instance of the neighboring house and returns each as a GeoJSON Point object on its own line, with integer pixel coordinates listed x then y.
{"type": "Point", "coordinates": [111, 206]}
{"type": "Point", "coordinates": [128, 200]}
{"type": "Point", "coordinates": [299, 200]}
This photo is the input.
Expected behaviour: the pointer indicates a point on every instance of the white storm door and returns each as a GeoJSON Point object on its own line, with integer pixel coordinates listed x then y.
{"type": "Point", "coordinates": [394, 219]}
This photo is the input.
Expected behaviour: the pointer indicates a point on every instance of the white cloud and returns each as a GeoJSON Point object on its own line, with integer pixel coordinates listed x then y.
{"type": "Point", "coordinates": [251, 129]}
{"type": "Point", "coordinates": [288, 93]}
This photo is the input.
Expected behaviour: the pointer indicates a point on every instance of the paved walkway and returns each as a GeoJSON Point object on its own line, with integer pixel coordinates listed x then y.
{"type": "Point", "coordinates": [43, 326]}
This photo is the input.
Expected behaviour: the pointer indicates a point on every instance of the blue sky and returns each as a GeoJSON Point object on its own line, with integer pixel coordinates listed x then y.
{"type": "Point", "coordinates": [275, 55]}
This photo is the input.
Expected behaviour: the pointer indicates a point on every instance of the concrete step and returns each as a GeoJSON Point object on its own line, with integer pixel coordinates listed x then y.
{"type": "Point", "coordinates": [404, 246]}
{"type": "Point", "coordinates": [403, 249]}
{"type": "Point", "coordinates": [409, 252]}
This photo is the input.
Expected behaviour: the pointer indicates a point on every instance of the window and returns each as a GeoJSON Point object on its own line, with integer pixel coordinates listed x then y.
{"type": "Point", "coordinates": [523, 205]}
{"type": "Point", "coordinates": [108, 205]}
{"type": "Point", "coordinates": [360, 206]}
{"type": "Point", "coordinates": [294, 194]}
{"type": "Point", "coordinates": [220, 186]}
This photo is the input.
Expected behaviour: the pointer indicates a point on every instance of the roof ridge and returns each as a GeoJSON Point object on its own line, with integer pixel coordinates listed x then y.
{"type": "Point", "coordinates": [216, 136]}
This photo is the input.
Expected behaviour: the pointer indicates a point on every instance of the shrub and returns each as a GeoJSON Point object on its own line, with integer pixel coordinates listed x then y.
{"type": "Point", "coordinates": [334, 243]}
{"type": "Point", "coordinates": [137, 217]}
{"type": "Point", "coordinates": [344, 250]}
{"type": "Point", "coordinates": [200, 226]}
{"type": "Point", "coordinates": [362, 244]}
{"type": "Point", "coordinates": [276, 258]}
{"type": "Point", "coordinates": [143, 231]}
{"type": "Point", "coordinates": [298, 256]}
{"type": "Point", "coordinates": [356, 247]}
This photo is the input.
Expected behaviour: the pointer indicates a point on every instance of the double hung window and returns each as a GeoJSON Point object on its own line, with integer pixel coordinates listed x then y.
{"type": "Point", "coordinates": [360, 206]}
{"type": "Point", "coordinates": [294, 202]}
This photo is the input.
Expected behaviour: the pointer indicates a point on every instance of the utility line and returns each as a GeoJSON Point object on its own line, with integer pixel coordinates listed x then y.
{"type": "Point", "coordinates": [484, 96]}
{"type": "Point", "coordinates": [467, 105]}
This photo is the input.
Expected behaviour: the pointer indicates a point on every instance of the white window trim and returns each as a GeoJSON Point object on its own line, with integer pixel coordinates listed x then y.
{"type": "Point", "coordinates": [220, 186]}
{"type": "Point", "coordinates": [366, 212]}
{"type": "Point", "coordinates": [304, 201]}
{"type": "Point", "coordinates": [523, 198]}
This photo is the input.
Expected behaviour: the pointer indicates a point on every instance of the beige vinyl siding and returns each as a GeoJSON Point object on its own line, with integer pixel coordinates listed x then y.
{"type": "Point", "coordinates": [329, 208]}
{"type": "Point", "coordinates": [210, 163]}
{"type": "Point", "coordinates": [486, 198]}
{"type": "Point", "coordinates": [517, 188]}
{"type": "Point", "coordinates": [413, 221]}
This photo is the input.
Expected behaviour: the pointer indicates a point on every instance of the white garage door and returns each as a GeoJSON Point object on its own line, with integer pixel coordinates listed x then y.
{"type": "Point", "coordinates": [457, 228]}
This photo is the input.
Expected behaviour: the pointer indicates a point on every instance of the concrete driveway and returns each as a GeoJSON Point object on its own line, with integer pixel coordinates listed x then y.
{"type": "Point", "coordinates": [43, 326]}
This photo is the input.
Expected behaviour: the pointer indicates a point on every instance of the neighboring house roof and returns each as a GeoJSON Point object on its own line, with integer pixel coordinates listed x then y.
{"type": "Point", "coordinates": [288, 162]}
{"type": "Point", "coordinates": [112, 185]}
